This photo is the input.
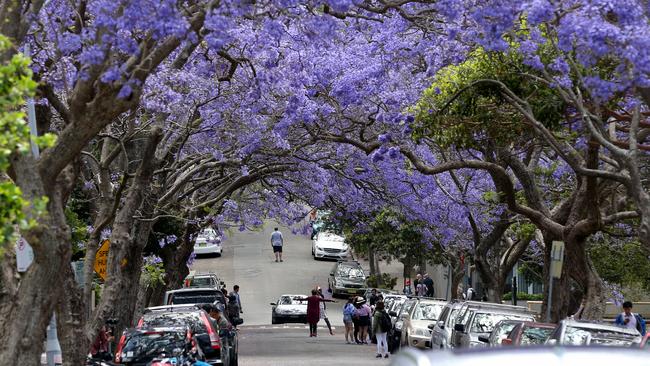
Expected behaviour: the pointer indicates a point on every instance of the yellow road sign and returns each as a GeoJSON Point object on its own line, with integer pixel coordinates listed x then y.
{"type": "Point", "coordinates": [101, 259]}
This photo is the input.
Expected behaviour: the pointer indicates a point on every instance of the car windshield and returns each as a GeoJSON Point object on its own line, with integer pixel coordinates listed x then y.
{"type": "Point", "coordinates": [144, 346]}
{"type": "Point", "coordinates": [535, 335]}
{"type": "Point", "coordinates": [350, 272]}
{"type": "Point", "coordinates": [502, 330]}
{"type": "Point", "coordinates": [330, 237]}
{"type": "Point", "coordinates": [292, 300]}
{"type": "Point", "coordinates": [202, 282]}
{"type": "Point", "coordinates": [425, 311]}
{"type": "Point", "coordinates": [577, 336]}
{"type": "Point", "coordinates": [397, 303]}
{"type": "Point", "coordinates": [196, 297]}
{"type": "Point", "coordinates": [175, 319]}
{"type": "Point", "coordinates": [485, 322]}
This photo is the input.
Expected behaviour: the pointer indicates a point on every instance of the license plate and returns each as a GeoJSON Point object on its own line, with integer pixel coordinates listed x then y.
{"type": "Point", "coordinates": [203, 244]}
{"type": "Point", "coordinates": [352, 291]}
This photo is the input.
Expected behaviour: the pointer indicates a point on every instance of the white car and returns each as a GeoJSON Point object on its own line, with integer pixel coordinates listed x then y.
{"type": "Point", "coordinates": [329, 245]}
{"type": "Point", "coordinates": [289, 309]}
{"type": "Point", "coordinates": [208, 242]}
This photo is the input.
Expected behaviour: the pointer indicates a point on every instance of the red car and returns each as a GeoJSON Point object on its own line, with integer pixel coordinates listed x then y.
{"type": "Point", "coordinates": [528, 334]}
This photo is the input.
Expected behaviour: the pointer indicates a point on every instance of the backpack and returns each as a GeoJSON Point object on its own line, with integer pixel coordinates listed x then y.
{"type": "Point", "coordinates": [385, 324]}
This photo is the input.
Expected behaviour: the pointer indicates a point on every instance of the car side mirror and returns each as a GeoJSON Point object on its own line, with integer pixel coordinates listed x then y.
{"type": "Point", "coordinates": [506, 341]}
{"type": "Point", "coordinates": [274, 304]}
{"type": "Point", "coordinates": [441, 324]}
{"type": "Point", "coordinates": [392, 313]}
{"type": "Point", "coordinates": [431, 326]}
{"type": "Point", "coordinates": [459, 328]}
{"type": "Point", "coordinates": [484, 339]}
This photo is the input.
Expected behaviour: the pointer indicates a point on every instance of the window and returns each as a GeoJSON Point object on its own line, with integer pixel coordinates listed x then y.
{"type": "Point", "coordinates": [176, 319]}
{"type": "Point", "coordinates": [350, 272]}
{"type": "Point", "coordinates": [531, 335]}
{"type": "Point", "coordinates": [427, 311]}
{"type": "Point", "coordinates": [485, 322]}
{"type": "Point", "coordinates": [584, 336]}
{"type": "Point", "coordinates": [501, 331]}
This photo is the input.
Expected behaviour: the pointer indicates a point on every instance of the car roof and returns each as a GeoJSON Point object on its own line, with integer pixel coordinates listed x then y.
{"type": "Point", "coordinates": [432, 301]}
{"type": "Point", "coordinates": [293, 295]}
{"type": "Point", "coordinates": [194, 289]}
{"type": "Point", "coordinates": [173, 308]}
{"type": "Point", "coordinates": [598, 325]}
{"type": "Point", "coordinates": [530, 356]}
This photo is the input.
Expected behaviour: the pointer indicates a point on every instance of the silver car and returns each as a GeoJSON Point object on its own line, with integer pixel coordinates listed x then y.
{"type": "Point", "coordinates": [479, 319]}
{"type": "Point", "coordinates": [442, 329]}
{"type": "Point", "coordinates": [529, 356]}
{"type": "Point", "coordinates": [581, 333]}
{"type": "Point", "coordinates": [416, 331]}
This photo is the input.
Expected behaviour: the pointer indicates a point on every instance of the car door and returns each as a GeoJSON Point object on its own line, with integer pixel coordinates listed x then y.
{"type": "Point", "coordinates": [436, 334]}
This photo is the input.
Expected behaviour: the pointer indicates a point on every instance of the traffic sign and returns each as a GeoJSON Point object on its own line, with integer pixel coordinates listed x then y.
{"type": "Point", "coordinates": [24, 254]}
{"type": "Point", "coordinates": [101, 259]}
{"type": "Point", "coordinates": [557, 259]}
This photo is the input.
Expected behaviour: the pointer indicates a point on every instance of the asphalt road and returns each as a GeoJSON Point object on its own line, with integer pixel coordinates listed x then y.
{"type": "Point", "coordinates": [280, 345]}
{"type": "Point", "coordinates": [248, 261]}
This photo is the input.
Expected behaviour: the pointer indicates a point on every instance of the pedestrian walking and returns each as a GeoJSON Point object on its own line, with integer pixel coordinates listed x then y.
{"type": "Point", "coordinates": [313, 215]}
{"type": "Point", "coordinates": [416, 282]}
{"type": "Point", "coordinates": [348, 313]}
{"type": "Point", "coordinates": [428, 282]}
{"type": "Point", "coordinates": [276, 243]}
{"type": "Point", "coordinates": [421, 289]}
{"type": "Point", "coordinates": [355, 319]}
{"type": "Point", "coordinates": [372, 299]}
{"type": "Point", "coordinates": [233, 309]}
{"type": "Point", "coordinates": [323, 311]}
{"type": "Point", "coordinates": [363, 312]}
{"type": "Point", "coordinates": [381, 324]}
{"type": "Point", "coordinates": [407, 287]}
{"type": "Point", "coordinates": [235, 290]}
{"type": "Point", "coordinates": [630, 320]}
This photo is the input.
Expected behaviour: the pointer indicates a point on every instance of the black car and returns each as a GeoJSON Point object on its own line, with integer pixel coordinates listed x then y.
{"type": "Point", "coordinates": [220, 346]}
{"type": "Point", "coordinates": [347, 278]}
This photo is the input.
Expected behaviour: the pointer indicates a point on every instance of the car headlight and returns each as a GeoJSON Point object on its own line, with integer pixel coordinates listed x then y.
{"type": "Point", "coordinates": [319, 248]}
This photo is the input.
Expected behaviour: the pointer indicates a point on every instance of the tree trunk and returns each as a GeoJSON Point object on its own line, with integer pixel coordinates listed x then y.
{"type": "Point", "coordinates": [71, 318]}
{"type": "Point", "coordinates": [28, 308]}
{"type": "Point", "coordinates": [125, 255]}
{"type": "Point", "coordinates": [372, 262]}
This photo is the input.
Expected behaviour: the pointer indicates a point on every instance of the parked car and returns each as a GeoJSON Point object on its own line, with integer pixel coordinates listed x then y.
{"type": "Point", "coordinates": [205, 279]}
{"type": "Point", "coordinates": [289, 309]}
{"type": "Point", "coordinates": [380, 291]}
{"type": "Point", "coordinates": [327, 245]}
{"type": "Point", "coordinates": [416, 331]}
{"type": "Point", "coordinates": [529, 334]}
{"type": "Point", "coordinates": [144, 345]}
{"type": "Point", "coordinates": [442, 329]}
{"type": "Point", "coordinates": [395, 334]}
{"type": "Point", "coordinates": [479, 319]}
{"type": "Point", "coordinates": [571, 332]}
{"type": "Point", "coordinates": [347, 278]}
{"type": "Point", "coordinates": [529, 356]}
{"type": "Point", "coordinates": [499, 333]}
{"type": "Point", "coordinates": [218, 346]}
{"type": "Point", "coordinates": [208, 242]}
{"type": "Point", "coordinates": [195, 295]}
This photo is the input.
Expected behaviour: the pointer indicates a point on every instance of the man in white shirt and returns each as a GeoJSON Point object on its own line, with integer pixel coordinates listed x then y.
{"type": "Point", "coordinates": [630, 320]}
{"type": "Point", "coordinates": [276, 243]}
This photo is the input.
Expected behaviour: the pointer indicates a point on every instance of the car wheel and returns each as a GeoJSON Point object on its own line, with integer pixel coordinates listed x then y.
{"type": "Point", "coordinates": [274, 320]}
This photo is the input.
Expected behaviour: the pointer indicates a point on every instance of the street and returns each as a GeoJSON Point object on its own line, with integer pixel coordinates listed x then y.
{"type": "Point", "coordinates": [286, 345]}
{"type": "Point", "coordinates": [248, 261]}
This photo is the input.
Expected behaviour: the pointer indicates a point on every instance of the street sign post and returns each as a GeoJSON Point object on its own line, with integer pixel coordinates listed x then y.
{"type": "Point", "coordinates": [555, 271]}
{"type": "Point", "coordinates": [101, 259]}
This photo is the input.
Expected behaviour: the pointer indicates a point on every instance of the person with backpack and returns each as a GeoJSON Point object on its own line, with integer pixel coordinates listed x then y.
{"type": "Point", "coordinates": [630, 320]}
{"type": "Point", "coordinates": [381, 324]}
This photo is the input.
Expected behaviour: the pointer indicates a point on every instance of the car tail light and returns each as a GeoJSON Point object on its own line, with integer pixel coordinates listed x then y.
{"type": "Point", "coordinates": [120, 346]}
{"type": "Point", "coordinates": [140, 322]}
{"type": "Point", "coordinates": [215, 341]}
